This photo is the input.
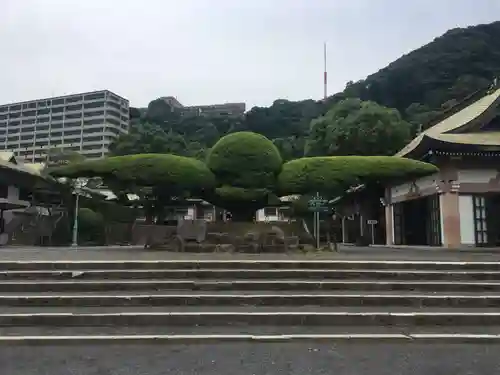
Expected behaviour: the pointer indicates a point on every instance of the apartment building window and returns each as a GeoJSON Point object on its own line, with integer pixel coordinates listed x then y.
{"type": "Point", "coordinates": [92, 147]}
{"type": "Point", "coordinates": [112, 112]}
{"type": "Point", "coordinates": [41, 143]}
{"type": "Point", "coordinates": [15, 107]}
{"type": "Point", "coordinates": [94, 155]}
{"type": "Point", "coordinates": [44, 111]}
{"type": "Point", "coordinates": [3, 117]}
{"type": "Point", "coordinates": [42, 128]}
{"type": "Point", "coordinates": [56, 126]}
{"type": "Point", "coordinates": [29, 121]}
{"type": "Point", "coordinates": [14, 122]}
{"type": "Point", "coordinates": [14, 130]}
{"type": "Point", "coordinates": [31, 129]}
{"type": "Point", "coordinates": [26, 137]}
{"type": "Point", "coordinates": [4, 109]}
{"type": "Point", "coordinates": [73, 116]}
{"type": "Point", "coordinates": [94, 113]}
{"type": "Point", "coordinates": [113, 121]}
{"type": "Point", "coordinates": [93, 105]}
{"type": "Point", "coordinates": [74, 99]}
{"type": "Point", "coordinates": [114, 105]}
{"type": "Point", "coordinates": [92, 122]}
{"type": "Point", "coordinates": [58, 110]}
{"type": "Point", "coordinates": [29, 113]}
{"type": "Point", "coordinates": [93, 139]}
{"type": "Point", "coordinates": [13, 138]}
{"type": "Point", "coordinates": [43, 119]}
{"type": "Point", "coordinates": [70, 124]}
{"type": "Point", "coordinates": [72, 132]}
{"type": "Point", "coordinates": [92, 130]}
{"type": "Point", "coordinates": [15, 115]}
{"type": "Point", "coordinates": [55, 134]}
{"type": "Point", "coordinates": [76, 107]}
{"type": "Point", "coordinates": [95, 96]}
{"type": "Point", "coordinates": [43, 103]}
{"type": "Point", "coordinates": [57, 101]}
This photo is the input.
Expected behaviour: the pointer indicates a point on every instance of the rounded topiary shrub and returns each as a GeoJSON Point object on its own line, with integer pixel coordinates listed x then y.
{"type": "Point", "coordinates": [246, 160]}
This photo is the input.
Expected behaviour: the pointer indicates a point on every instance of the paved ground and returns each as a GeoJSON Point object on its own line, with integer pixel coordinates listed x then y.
{"type": "Point", "coordinates": [346, 252]}
{"type": "Point", "coordinates": [248, 359]}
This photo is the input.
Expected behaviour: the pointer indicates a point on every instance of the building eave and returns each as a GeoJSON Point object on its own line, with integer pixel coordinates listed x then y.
{"type": "Point", "coordinates": [473, 113]}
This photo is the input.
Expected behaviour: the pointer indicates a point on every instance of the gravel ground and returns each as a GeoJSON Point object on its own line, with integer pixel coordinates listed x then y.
{"type": "Point", "coordinates": [248, 359]}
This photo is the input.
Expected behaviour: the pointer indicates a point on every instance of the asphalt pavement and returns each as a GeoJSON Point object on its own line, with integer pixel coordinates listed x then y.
{"type": "Point", "coordinates": [252, 359]}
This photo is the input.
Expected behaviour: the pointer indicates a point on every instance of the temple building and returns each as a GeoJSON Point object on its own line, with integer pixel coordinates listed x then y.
{"type": "Point", "coordinates": [460, 205]}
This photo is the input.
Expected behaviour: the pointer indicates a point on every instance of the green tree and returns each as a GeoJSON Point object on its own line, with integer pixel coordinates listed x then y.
{"type": "Point", "coordinates": [452, 66]}
{"type": "Point", "coordinates": [246, 165]}
{"type": "Point", "coordinates": [158, 178]}
{"type": "Point", "coordinates": [354, 127]}
{"type": "Point", "coordinates": [333, 175]}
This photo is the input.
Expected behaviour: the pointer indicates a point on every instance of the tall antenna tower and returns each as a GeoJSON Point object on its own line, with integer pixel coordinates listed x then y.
{"type": "Point", "coordinates": [325, 74]}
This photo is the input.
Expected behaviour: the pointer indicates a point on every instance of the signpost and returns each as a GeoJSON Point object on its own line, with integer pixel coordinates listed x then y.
{"type": "Point", "coordinates": [372, 224]}
{"type": "Point", "coordinates": [317, 204]}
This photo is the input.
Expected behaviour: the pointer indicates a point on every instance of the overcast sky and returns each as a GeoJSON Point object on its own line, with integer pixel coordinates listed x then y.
{"type": "Point", "coordinates": [212, 51]}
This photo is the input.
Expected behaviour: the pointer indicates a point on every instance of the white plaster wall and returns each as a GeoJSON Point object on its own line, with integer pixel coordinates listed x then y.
{"type": "Point", "coordinates": [441, 220]}
{"type": "Point", "coordinates": [12, 195]}
{"type": "Point", "coordinates": [422, 183]}
{"type": "Point", "coordinates": [261, 216]}
{"type": "Point", "coordinates": [466, 220]}
{"type": "Point", "coordinates": [476, 175]}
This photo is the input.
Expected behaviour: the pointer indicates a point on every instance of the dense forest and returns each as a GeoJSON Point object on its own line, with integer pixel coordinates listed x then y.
{"type": "Point", "coordinates": [407, 94]}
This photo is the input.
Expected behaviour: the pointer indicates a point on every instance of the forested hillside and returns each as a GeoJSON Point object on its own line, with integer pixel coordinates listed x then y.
{"type": "Point", "coordinates": [420, 85]}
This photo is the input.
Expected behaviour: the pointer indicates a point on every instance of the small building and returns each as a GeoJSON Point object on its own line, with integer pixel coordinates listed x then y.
{"type": "Point", "coordinates": [460, 205]}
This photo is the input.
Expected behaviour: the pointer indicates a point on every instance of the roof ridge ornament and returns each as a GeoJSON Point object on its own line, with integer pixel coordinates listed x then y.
{"type": "Point", "coordinates": [494, 85]}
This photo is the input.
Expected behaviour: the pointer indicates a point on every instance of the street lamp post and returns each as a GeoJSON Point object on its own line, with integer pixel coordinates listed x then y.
{"type": "Point", "coordinates": [75, 221]}
{"type": "Point", "coordinates": [74, 241]}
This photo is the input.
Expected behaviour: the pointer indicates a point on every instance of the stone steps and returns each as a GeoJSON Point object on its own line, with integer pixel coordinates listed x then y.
{"type": "Point", "coordinates": [65, 286]}
{"type": "Point", "coordinates": [373, 339]}
{"type": "Point", "coordinates": [259, 274]}
{"type": "Point", "coordinates": [81, 265]}
{"type": "Point", "coordinates": [190, 301]}
{"type": "Point", "coordinates": [275, 318]}
{"type": "Point", "coordinates": [172, 300]}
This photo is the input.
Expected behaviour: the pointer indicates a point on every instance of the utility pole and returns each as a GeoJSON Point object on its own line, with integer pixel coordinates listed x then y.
{"type": "Point", "coordinates": [317, 223]}
{"type": "Point", "coordinates": [325, 74]}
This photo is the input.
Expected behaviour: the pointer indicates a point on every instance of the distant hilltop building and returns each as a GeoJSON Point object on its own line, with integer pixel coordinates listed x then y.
{"type": "Point", "coordinates": [226, 109]}
{"type": "Point", "coordinates": [86, 123]}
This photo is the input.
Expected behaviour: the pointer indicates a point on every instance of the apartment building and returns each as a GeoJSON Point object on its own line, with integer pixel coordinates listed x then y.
{"type": "Point", "coordinates": [226, 109]}
{"type": "Point", "coordinates": [87, 123]}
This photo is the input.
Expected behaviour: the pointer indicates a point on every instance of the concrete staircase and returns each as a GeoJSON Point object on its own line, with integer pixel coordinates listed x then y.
{"type": "Point", "coordinates": [74, 302]}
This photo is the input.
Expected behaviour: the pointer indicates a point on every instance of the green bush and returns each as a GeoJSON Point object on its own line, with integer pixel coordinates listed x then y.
{"type": "Point", "coordinates": [162, 170]}
{"type": "Point", "coordinates": [246, 160]}
{"type": "Point", "coordinates": [333, 175]}
{"type": "Point", "coordinates": [90, 226]}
